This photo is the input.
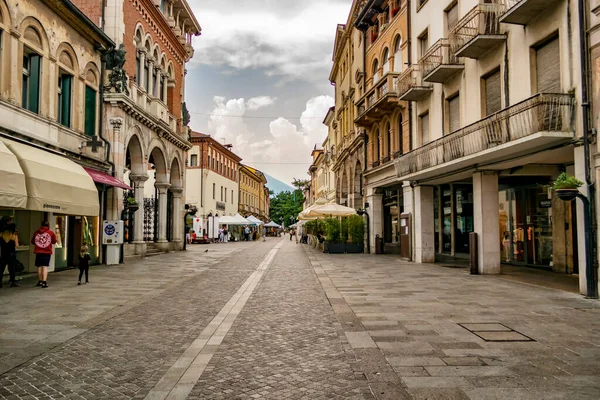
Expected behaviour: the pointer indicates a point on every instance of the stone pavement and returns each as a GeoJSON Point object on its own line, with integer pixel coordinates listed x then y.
{"type": "Point", "coordinates": [277, 320]}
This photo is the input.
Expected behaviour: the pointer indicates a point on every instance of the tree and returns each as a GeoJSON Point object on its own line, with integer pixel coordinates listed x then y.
{"type": "Point", "coordinates": [285, 206]}
{"type": "Point", "coordinates": [301, 184]}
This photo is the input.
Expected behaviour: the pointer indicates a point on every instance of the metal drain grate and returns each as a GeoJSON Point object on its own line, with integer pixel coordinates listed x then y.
{"type": "Point", "coordinates": [495, 332]}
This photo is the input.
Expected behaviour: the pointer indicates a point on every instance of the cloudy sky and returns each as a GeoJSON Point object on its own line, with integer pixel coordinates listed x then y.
{"type": "Point", "coordinates": [259, 78]}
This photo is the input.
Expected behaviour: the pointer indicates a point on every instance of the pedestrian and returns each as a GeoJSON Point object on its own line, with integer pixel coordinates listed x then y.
{"type": "Point", "coordinates": [247, 234]}
{"type": "Point", "coordinates": [188, 235]}
{"type": "Point", "coordinates": [84, 263]}
{"type": "Point", "coordinates": [291, 234]}
{"type": "Point", "coordinates": [9, 241]}
{"type": "Point", "coordinates": [220, 235]}
{"type": "Point", "coordinates": [264, 232]}
{"type": "Point", "coordinates": [43, 239]}
{"type": "Point", "coordinates": [225, 233]}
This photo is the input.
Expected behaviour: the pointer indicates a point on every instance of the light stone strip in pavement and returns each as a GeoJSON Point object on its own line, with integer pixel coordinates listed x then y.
{"type": "Point", "coordinates": [180, 379]}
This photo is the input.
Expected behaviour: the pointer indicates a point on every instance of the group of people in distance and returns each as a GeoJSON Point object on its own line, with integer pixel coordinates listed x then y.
{"type": "Point", "coordinates": [43, 240]}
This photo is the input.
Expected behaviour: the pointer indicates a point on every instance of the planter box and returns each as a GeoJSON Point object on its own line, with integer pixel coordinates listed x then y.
{"type": "Point", "coordinates": [354, 248]}
{"type": "Point", "coordinates": [566, 194]}
{"type": "Point", "coordinates": [133, 208]}
{"type": "Point", "coordinates": [336, 248]}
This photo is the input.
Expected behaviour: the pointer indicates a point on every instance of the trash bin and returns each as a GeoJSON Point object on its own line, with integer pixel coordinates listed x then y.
{"type": "Point", "coordinates": [378, 245]}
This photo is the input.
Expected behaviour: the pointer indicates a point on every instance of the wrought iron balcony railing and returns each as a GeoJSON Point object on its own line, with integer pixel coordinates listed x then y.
{"type": "Point", "coordinates": [478, 31]}
{"type": "Point", "coordinates": [411, 86]}
{"type": "Point", "coordinates": [521, 12]}
{"type": "Point", "coordinates": [440, 62]}
{"type": "Point", "coordinates": [543, 112]}
{"type": "Point", "coordinates": [381, 97]}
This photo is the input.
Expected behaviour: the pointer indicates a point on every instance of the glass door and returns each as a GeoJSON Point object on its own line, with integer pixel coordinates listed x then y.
{"type": "Point", "coordinates": [446, 219]}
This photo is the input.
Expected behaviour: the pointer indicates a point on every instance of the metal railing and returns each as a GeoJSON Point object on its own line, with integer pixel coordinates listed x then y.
{"type": "Point", "coordinates": [483, 19]}
{"type": "Point", "coordinates": [509, 4]}
{"type": "Point", "coordinates": [409, 79]}
{"type": "Point", "coordinates": [440, 53]}
{"type": "Point", "coordinates": [386, 85]}
{"type": "Point", "coordinates": [541, 113]}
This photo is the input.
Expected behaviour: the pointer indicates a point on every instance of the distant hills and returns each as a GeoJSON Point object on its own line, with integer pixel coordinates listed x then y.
{"type": "Point", "coordinates": [276, 185]}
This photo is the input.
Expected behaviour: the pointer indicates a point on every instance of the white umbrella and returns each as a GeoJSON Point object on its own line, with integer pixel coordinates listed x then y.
{"type": "Point", "coordinates": [330, 210]}
{"type": "Point", "coordinates": [255, 220]}
{"type": "Point", "coordinates": [272, 225]}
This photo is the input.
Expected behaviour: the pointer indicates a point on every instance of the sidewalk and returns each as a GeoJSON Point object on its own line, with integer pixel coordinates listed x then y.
{"type": "Point", "coordinates": [447, 334]}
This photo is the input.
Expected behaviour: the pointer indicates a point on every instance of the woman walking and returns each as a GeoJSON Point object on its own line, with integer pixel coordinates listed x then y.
{"type": "Point", "coordinates": [9, 241]}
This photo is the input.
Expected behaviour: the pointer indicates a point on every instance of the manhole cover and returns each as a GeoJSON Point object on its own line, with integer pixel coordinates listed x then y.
{"type": "Point", "coordinates": [495, 332]}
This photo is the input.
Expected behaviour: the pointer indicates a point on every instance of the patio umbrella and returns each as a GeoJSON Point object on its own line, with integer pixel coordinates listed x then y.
{"type": "Point", "coordinates": [330, 210]}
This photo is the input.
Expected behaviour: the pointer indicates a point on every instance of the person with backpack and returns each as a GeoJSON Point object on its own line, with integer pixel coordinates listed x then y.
{"type": "Point", "coordinates": [43, 239]}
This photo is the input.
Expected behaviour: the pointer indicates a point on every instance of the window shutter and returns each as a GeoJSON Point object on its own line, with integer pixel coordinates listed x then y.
{"type": "Point", "coordinates": [34, 83]}
{"type": "Point", "coordinates": [66, 100]}
{"type": "Point", "coordinates": [493, 96]}
{"type": "Point", "coordinates": [548, 67]}
{"type": "Point", "coordinates": [452, 16]}
{"type": "Point", "coordinates": [90, 111]}
{"type": "Point", "coordinates": [425, 129]}
{"type": "Point", "coordinates": [454, 114]}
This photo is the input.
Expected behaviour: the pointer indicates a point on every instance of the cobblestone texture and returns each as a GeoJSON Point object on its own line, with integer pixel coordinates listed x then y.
{"type": "Point", "coordinates": [285, 344]}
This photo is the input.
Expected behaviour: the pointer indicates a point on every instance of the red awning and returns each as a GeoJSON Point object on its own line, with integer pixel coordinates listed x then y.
{"type": "Point", "coordinates": [104, 178]}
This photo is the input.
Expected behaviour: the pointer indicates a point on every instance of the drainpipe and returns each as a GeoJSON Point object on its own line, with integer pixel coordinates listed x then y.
{"type": "Point", "coordinates": [590, 221]}
{"type": "Point", "coordinates": [362, 176]}
{"type": "Point", "coordinates": [408, 59]}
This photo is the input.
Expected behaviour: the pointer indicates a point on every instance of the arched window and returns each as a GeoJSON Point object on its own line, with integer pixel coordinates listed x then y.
{"type": "Point", "coordinates": [377, 146]}
{"type": "Point", "coordinates": [400, 135]}
{"type": "Point", "coordinates": [67, 68]}
{"type": "Point", "coordinates": [388, 140]}
{"type": "Point", "coordinates": [375, 71]}
{"type": "Point", "coordinates": [32, 66]}
{"type": "Point", "coordinates": [386, 61]}
{"type": "Point", "coordinates": [398, 54]}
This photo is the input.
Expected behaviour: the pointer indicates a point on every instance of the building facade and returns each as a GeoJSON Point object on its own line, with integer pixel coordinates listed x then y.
{"type": "Point", "coordinates": [50, 90]}
{"type": "Point", "coordinates": [212, 175]}
{"type": "Point", "coordinates": [144, 115]}
{"type": "Point", "coordinates": [329, 157]}
{"type": "Point", "coordinates": [254, 195]}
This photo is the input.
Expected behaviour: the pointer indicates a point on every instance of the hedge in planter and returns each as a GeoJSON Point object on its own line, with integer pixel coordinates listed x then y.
{"type": "Point", "coordinates": [334, 243]}
{"type": "Point", "coordinates": [356, 232]}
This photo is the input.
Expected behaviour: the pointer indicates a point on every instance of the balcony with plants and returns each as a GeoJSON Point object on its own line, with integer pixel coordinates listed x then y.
{"type": "Point", "coordinates": [478, 31]}
{"type": "Point", "coordinates": [440, 63]}
{"type": "Point", "coordinates": [538, 123]}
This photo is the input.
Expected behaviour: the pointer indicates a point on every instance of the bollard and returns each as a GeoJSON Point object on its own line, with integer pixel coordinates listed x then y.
{"type": "Point", "coordinates": [473, 253]}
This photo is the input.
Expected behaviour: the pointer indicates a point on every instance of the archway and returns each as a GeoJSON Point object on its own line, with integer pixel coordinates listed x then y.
{"type": "Point", "coordinates": [155, 198]}
{"type": "Point", "coordinates": [174, 200]}
{"type": "Point", "coordinates": [135, 175]}
{"type": "Point", "coordinates": [357, 203]}
{"type": "Point", "coordinates": [344, 199]}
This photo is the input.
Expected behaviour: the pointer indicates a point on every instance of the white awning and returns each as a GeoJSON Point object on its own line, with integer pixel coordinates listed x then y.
{"type": "Point", "coordinates": [54, 183]}
{"type": "Point", "coordinates": [13, 192]}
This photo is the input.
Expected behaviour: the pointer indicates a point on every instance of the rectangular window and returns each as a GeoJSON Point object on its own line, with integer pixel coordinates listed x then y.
{"type": "Point", "coordinates": [208, 161]}
{"type": "Point", "coordinates": [214, 190]}
{"type": "Point", "coordinates": [90, 111]}
{"type": "Point", "coordinates": [493, 94]}
{"type": "Point", "coordinates": [451, 17]}
{"type": "Point", "coordinates": [138, 69]}
{"type": "Point", "coordinates": [31, 81]}
{"type": "Point", "coordinates": [423, 43]}
{"type": "Point", "coordinates": [453, 114]}
{"type": "Point", "coordinates": [221, 193]}
{"type": "Point", "coordinates": [232, 197]}
{"type": "Point", "coordinates": [194, 160]}
{"type": "Point", "coordinates": [64, 99]}
{"type": "Point", "coordinates": [547, 67]}
{"type": "Point", "coordinates": [225, 195]}
{"type": "Point", "coordinates": [424, 123]}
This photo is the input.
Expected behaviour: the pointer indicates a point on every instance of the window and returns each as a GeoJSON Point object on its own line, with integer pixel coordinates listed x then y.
{"type": "Point", "coordinates": [232, 197]}
{"type": "Point", "coordinates": [146, 77]}
{"type": "Point", "coordinates": [138, 69]}
{"type": "Point", "coordinates": [194, 160]}
{"type": "Point", "coordinates": [225, 195]}
{"type": "Point", "coordinates": [451, 17]}
{"type": "Point", "coordinates": [547, 67]}
{"type": "Point", "coordinates": [221, 193]}
{"type": "Point", "coordinates": [375, 71]}
{"type": "Point", "coordinates": [214, 190]}
{"type": "Point", "coordinates": [64, 98]}
{"type": "Point", "coordinates": [424, 124]}
{"type": "Point", "coordinates": [400, 135]}
{"type": "Point", "coordinates": [453, 113]}
{"type": "Point", "coordinates": [90, 111]}
{"type": "Point", "coordinates": [398, 55]}
{"type": "Point", "coordinates": [377, 154]}
{"type": "Point", "coordinates": [31, 81]}
{"type": "Point", "coordinates": [423, 43]}
{"type": "Point", "coordinates": [154, 82]}
{"type": "Point", "coordinates": [386, 61]}
{"type": "Point", "coordinates": [493, 94]}
{"type": "Point", "coordinates": [388, 140]}
{"type": "Point", "coordinates": [162, 5]}
{"type": "Point", "coordinates": [208, 161]}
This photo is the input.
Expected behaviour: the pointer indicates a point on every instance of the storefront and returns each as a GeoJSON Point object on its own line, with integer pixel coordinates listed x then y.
{"type": "Point", "coordinates": [453, 218]}
{"type": "Point", "coordinates": [392, 209]}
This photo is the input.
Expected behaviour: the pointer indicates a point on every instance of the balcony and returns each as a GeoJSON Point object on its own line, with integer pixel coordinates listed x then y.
{"type": "Point", "coordinates": [380, 99]}
{"type": "Point", "coordinates": [440, 63]}
{"type": "Point", "coordinates": [411, 86]}
{"type": "Point", "coordinates": [533, 125]}
{"type": "Point", "coordinates": [521, 12]}
{"type": "Point", "coordinates": [478, 31]}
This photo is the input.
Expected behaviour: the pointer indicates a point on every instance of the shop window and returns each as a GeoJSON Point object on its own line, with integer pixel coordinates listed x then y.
{"type": "Point", "coordinates": [64, 98]}
{"type": "Point", "coordinates": [493, 93]}
{"type": "Point", "coordinates": [31, 81]}
{"type": "Point", "coordinates": [194, 160]}
{"type": "Point", "coordinates": [547, 67]}
{"type": "Point", "coordinates": [90, 111]}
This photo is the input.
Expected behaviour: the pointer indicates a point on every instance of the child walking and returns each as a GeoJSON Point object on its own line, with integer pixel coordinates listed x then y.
{"type": "Point", "coordinates": [84, 263]}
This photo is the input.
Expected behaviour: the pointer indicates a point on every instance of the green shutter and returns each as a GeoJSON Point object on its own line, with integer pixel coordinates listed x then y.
{"type": "Point", "coordinates": [65, 117]}
{"type": "Point", "coordinates": [90, 111]}
{"type": "Point", "coordinates": [34, 83]}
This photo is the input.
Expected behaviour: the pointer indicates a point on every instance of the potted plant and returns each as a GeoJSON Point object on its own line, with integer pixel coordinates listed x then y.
{"type": "Point", "coordinates": [566, 187]}
{"type": "Point", "coordinates": [132, 204]}
{"type": "Point", "coordinates": [395, 11]}
{"type": "Point", "coordinates": [356, 232]}
{"type": "Point", "coordinates": [334, 244]}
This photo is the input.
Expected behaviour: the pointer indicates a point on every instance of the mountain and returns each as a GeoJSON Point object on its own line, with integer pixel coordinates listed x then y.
{"type": "Point", "coordinates": [276, 185]}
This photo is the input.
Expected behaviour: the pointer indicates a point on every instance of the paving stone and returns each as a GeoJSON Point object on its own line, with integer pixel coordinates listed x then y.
{"type": "Point", "coordinates": [503, 336]}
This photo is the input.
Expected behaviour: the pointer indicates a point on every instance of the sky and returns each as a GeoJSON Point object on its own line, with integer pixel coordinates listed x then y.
{"type": "Point", "coordinates": [259, 79]}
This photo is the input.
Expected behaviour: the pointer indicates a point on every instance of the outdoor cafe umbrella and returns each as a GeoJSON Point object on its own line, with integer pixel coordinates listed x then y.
{"type": "Point", "coordinates": [329, 210]}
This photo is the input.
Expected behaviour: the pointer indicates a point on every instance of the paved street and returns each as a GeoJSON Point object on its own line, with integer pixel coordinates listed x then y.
{"type": "Point", "coordinates": [277, 320]}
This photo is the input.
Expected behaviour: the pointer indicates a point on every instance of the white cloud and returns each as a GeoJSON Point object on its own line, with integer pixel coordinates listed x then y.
{"type": "Point", "coordinates": [259, 102]}
{"type": "Point", "coordinates": [285, 151]}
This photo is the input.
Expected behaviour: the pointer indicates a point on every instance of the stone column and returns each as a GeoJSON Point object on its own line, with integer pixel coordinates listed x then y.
{"type": "Point", "coordinates": [162, 211]}
{"type": "Point", "coordinates": [14, 79]}
{"type": "Point", "coordinates": [375, 212]}
{"type": "Point", "coordinates": [158, 83]}
{"type": "Point", "coordinates": [138, 228]}
{"type": "Point", "coordinates": [142, 77]}
{"type": "Point", "coordinates": [486, 221]}
{"type": "Point", "coordinates": [424, 224]}
{"type": "Point", "coordinates": [150, 80]}
{"type": "Point", "coordinates": [177, 217]}
{"type": "Point", "coordinates": [165, 87]}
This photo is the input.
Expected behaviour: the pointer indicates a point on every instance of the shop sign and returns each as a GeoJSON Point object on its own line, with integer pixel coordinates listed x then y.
{"type": "Point", "coordinates": [220, 206]}
{"type": "Point", "coordinates": [545, 203]}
